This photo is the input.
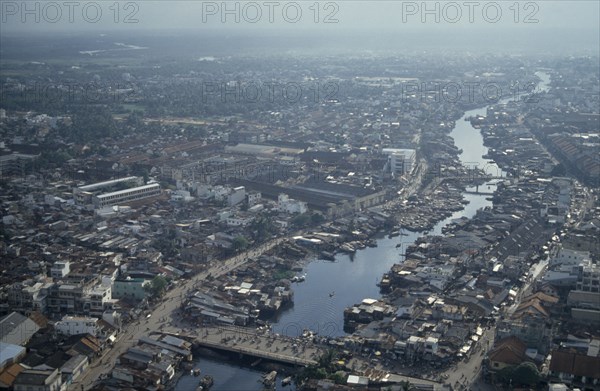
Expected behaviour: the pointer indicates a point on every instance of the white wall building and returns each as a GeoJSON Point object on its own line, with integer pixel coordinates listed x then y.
{"type": "Point", "coordinates": [569, 257]}
{"type": "Point", "coordinates": [127, 195]}
{"type": "Point", "coordinates": [100, 299]}
{"type": "Point", "coordinates": [60, 269]}
{"type": "Point", "coordinates": [208, 192]}
{"type": "Point", "coordinates": [288, 205]}
{"type": "Point", "coordinates": [83, 194]}
{"type": "Point", "coordinates": [589, 281]}
{"type": "Point", "coordinates": [401, 161]}
{"type": "Point", "coordinates": [236, 196]}
{"type": "Point", "coordinates": [73, 325]}
{"type": "Point", "coordinates": [254, 198]}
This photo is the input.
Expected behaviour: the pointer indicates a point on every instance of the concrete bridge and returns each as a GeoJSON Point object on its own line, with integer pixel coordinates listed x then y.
{"type": "Point", "coordinates": [255, 343]}
{"type": "Point", "coordinates": [489, 193]}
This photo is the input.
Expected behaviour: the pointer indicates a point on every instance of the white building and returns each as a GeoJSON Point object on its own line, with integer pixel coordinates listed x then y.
{"type": "Point", "coordinates": [236, 196]}
{"type": "Point", "coordinates": [74, 367]}
{"type": "Point", "coordinates": [238, 221]}
{"type": "Point", "coordinates": [568, 257]}
{"type": "Point", "coordinates": [28, 296]}
{"type": "Point", "coordinates": [83, 194]}
{"type": "Point", "coordinates": [100, 299]}
{"type": "Point", "coordinates": [127, 195]}
{"type": "Point", "coordinates": [288, 205]}
{"type": "Point", "coordinates": [207, 192]}
{"type": "Point", "coordinates": [416, 346]}
{"type": "Point", "coordinates": [589, 281]}
{"type": "Point", "coordinates": [60, 269]}
{"type": "Point", "coordinates": [73, 325]}
{"type": "Point", "coordinates": [254, 199]}
{"type": "Point", "coordinates": [400, 161]}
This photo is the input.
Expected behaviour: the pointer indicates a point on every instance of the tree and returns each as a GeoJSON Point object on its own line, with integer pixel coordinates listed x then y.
{"type": "Point", "coordinates": [317, 218]}
{"type": "Point", "coordinates": [326, 359]}
{"type": "Point", "coordinates": [156, 287]}
{"type": "Point", "coordinates": [239, 243]}
{"type": "Point", "coordinates": [526, 373]}
{"type": "Point", "coordinates": [301, 220]}
{"type": "Point", "coordinates": [323, 369]}
{"type": "Point", "coordinates": [339, 377]}
{"type": "Point", "coordinates": [261, 228]}
{"type": "Point", "coordinates": [505, 375]}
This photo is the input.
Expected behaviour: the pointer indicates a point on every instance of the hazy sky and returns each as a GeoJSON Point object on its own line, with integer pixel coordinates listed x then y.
{"type": "Point", "coordinates": [563, 22]}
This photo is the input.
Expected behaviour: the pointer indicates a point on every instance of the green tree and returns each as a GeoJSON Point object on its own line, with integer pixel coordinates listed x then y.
{"type": "Point", "coordinates": [261, 228]}
{"type": "Point", "coordinates": [317, 218]}
{"type": "Point", "coordinates": [526, 373]}
{"type": "Point", "coordinates": [239, 243]}
{"type": "Point", "coordinates": [301, 220]}
{"type": "Point", "coordinates": [339, 377]}
{"type": "Point", "coordinates": [157, 286]}
{"type": "Point", "coordinates": [505, 375]}
{"type": "Point", "coordinates": [326, 359]}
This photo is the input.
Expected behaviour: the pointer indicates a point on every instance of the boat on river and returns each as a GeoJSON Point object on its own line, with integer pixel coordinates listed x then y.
{"type": "Point", "coordinates": [206, 383]}
{"type": "Point", "coordinates": [269, 378]}
{"type": "Point", "coordinates": [286, 381]}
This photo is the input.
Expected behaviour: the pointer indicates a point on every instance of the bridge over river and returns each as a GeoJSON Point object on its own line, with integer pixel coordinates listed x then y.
{"type": "Point", "coordinates": [256, 343]}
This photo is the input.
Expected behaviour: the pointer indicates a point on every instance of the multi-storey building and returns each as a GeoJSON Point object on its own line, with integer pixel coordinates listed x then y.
{"type": "Point", "coordinates": [127, 195]}
{"type": "Point", "coordinates": [29, 296]}
{"type": "Point", "coordinates": [60, 269]}
{"type": "Point", "coordinates": [400, 161]}
{"type": "Point", "coordinates": [590, 279]}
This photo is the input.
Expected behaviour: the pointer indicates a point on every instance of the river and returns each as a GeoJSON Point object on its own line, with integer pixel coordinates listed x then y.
{"type": "Point", "coordinates": [330, 287]}
{"type": "Point", "coordinates": [352, 279]}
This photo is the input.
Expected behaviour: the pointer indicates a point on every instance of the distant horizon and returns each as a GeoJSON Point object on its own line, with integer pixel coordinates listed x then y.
{"type": "Point", "coordinates": [351, 41]}
{"type": "Point", "coordinates": [503, 27]}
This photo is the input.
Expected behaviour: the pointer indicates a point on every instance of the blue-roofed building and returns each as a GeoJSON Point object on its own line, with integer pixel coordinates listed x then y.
{"type": "Point", "coordinates": [10, 354]}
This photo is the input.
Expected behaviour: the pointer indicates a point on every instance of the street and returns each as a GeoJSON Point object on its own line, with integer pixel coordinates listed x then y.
{"type": "Point", "coordinates": [162, 314]}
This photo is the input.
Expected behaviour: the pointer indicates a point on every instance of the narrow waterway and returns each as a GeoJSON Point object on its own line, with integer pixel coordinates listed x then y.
{"type": "Point", "coordinates": [227, 377]}
{"type": "Point", "coordinates": [330, 287]}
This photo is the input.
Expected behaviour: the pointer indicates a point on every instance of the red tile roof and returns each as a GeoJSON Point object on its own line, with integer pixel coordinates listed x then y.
{"type": "Point", "coordinates": [575, 364]}
{"type": "Point", "coordinates": [510, 350]}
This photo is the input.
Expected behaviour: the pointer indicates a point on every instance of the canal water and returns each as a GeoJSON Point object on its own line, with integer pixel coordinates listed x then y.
{"type": "Point", "coordinates": [330, 287]}
{"type": "Point", "coordinates": [227, 377]}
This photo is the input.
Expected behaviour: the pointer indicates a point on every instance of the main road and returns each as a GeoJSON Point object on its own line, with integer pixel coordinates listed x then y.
{"type": "Point", "coordinates": [163, 315]}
